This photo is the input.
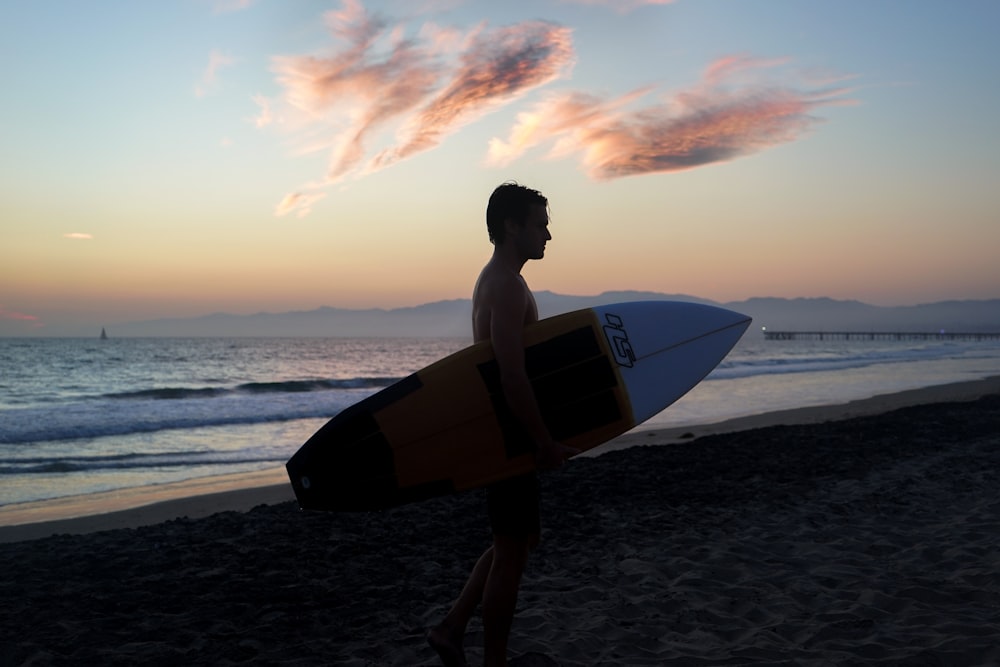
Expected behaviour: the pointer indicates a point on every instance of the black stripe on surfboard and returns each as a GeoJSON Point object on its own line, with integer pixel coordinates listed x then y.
{"type": "Point", "coordinates": [348, 464]}
{"type": "Point", "coordinates": [574, 384]}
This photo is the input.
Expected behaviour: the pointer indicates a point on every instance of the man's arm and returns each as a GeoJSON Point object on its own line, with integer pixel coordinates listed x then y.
{"type": "Point", "coordinates": [506, 334]}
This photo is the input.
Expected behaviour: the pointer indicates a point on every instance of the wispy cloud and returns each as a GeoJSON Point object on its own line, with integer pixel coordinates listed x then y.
{"type": "Point", "coordinates": [5, 314]}
{"type": "Point", "coordinates": [300, 203]}
{"type": "Point", "coordinates": [427, 86]}
{"type": "Point", "coordinates": [224, 6]}
{"type": "Point", "coordinates": [264, 116]}
{"type": "Point", "coordinates": [387, 93]}
{"type": "Point", "coordinates": [78, 236]}
{"type": "Point", "coordinates": [217, 60]}
{"type": "Point", "coordinates": [740, 107]}
{"type": "Point", "coordinates": [497, 67]}
{"type": "Point", "coordinates": [620, 6]}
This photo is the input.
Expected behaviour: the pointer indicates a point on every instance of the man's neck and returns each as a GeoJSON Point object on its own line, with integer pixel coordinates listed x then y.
{"type": "Point", "coordinates": [506, 256]}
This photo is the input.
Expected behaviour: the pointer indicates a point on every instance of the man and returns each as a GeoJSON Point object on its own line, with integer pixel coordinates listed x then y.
{"type": "Point", "coordinates": [517, 220]}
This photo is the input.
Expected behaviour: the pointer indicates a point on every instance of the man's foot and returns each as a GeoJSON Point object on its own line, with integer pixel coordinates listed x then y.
{"type": "Point", "coordinates": [448, 646]}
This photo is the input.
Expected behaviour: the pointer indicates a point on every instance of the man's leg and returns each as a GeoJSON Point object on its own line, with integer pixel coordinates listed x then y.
{"type": "Point", "coordinates": [447, 638]}
{"type": "Point", "coordinates": [510, 556]}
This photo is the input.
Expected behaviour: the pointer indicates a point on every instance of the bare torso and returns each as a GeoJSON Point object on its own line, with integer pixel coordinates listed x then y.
{"type": "Point", "coordinates": [500, 290]}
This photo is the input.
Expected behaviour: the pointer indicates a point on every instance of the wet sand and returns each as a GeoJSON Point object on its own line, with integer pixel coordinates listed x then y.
{"type": "Point", "coordinates": [866, 540]}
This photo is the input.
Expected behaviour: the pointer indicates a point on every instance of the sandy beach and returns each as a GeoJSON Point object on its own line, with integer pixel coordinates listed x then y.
{"type": "Point", "coordinates": [867, 533]}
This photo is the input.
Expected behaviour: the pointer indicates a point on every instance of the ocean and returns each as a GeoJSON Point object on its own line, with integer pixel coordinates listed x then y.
{"type": "Point", "coordinates": [79, 416]}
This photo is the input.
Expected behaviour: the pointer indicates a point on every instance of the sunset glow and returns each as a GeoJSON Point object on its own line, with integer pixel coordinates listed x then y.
{"type": "Point", "coordinates": [165, 159]}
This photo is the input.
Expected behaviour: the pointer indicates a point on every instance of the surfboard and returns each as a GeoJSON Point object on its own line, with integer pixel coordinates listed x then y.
{"type": "Point", "coordinates": [596, 373]}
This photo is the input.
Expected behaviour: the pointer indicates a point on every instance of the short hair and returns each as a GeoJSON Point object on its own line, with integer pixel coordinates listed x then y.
{"type": "Point", "coordinates": [510, 201]}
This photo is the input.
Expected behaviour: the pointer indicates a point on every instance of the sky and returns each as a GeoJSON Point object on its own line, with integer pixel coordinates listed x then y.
{"type": "Point", "coordinates": [182, 158]}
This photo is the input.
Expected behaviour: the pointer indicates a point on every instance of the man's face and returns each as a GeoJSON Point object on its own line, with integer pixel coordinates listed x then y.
{"type": "Point", "coordinates": [531, 237]}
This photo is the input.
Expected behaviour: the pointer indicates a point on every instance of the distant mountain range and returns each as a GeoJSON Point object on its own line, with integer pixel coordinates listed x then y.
{"type": "Point", "coordinates": [452, 318]}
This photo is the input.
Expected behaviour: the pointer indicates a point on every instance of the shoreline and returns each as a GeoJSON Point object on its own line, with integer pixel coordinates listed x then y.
{"type": "Point", "coordinates": [202, 497]}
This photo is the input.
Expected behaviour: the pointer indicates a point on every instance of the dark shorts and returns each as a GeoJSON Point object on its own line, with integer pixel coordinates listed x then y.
{"type": "Point", "coordinates": [515, 505]}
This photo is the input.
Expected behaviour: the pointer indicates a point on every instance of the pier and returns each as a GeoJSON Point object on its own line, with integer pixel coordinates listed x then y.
{"type": "Point", "coordinates": [879, 335]}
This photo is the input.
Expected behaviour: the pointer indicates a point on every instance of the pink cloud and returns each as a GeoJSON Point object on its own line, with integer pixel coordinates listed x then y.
{"type": "Point", "coordinates": [21, 317]}
{"type": "Point", "coordinates": [499, 66]}
{"type": "Point", "coordinates": [354, 92]}
{"type": "Point", "coordinates": [299, 202]}
{"type": "Point", "coordinates": [426, 87]}
{"type": "Point", "coordinates": [736, 110]}
{"type": "Point", "coordinates": [729, 67]}
{"type": "Point", "coordinates": [386, 94]}
{"type": "Point", "coordinates": [78, 236]}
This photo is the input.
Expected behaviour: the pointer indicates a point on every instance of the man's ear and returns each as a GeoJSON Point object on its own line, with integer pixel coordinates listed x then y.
{"type": "Point", "coordinates": [510, 226]}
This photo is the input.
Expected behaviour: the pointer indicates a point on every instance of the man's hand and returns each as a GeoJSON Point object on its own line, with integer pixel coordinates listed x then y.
{"type": "Point", "coordinates": [553, 454]}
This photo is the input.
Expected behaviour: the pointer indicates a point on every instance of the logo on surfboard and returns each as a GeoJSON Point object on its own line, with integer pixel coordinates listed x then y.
{"type": "Point", "coordinates": [618, 340]}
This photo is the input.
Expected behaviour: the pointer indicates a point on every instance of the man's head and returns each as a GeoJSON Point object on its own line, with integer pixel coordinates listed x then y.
{"type": "Point", "coordinates": [511, 203]}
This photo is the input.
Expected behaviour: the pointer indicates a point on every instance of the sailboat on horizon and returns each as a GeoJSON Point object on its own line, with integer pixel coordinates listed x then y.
{"type": "Point", "coordinates": [104, 334]}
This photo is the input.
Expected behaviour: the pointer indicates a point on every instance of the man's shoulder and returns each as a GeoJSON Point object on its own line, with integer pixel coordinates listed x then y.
{"type": "Point", "coordinates": [496, 282]}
